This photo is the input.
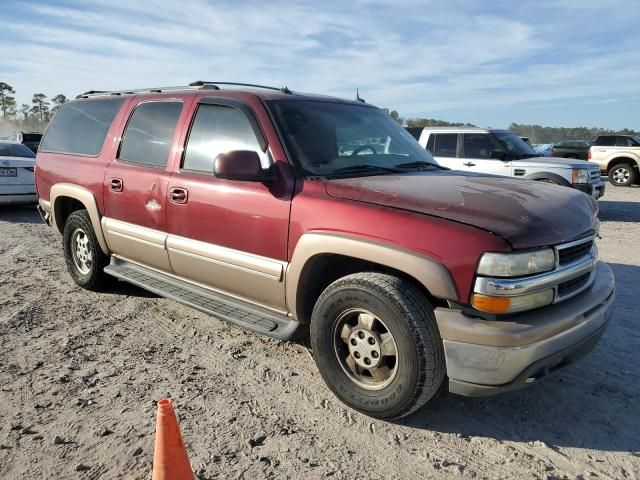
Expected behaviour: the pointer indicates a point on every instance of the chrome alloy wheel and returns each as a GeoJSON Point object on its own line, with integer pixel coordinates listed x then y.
{"type": "Point", "coordinates": [620, 175]}
{"type": "Point", "coordinates": [365, 349]}
{"type": "Point", "coordinates": [80, 251]}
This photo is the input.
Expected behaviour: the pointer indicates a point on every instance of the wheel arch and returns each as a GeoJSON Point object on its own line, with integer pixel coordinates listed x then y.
{"type": "Point", "coordinates": [622, 159]}
{"type": "Point", "coordinates": [65, 198]}
{"type": "Point", "coordinates": [319, 259]}
{"type": "Point", "coordinates": [549, 176]}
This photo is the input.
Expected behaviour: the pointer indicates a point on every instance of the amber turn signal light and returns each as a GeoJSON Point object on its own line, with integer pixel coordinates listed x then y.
{"type": "Point", "coordinates": [488, 304]}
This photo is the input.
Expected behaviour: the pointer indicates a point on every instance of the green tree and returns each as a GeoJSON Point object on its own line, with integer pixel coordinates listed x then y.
{"type": "Point", "coordinates": [40, 106]}
{"type": "Point", "coordinates": [7, 100]}
{"type": "Point", "coordinates": [58, 101]}
{"type": "Point", "coordinates": [25, 110]}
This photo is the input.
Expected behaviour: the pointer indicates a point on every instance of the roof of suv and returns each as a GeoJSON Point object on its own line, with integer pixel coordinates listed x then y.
{"type": "Point", "coordinates": [466, 130]}
{"type": "Point", "coordinates": [198, 88]}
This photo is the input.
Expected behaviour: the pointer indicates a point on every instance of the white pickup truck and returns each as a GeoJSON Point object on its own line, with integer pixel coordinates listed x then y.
{"type": "Point", "coordinates": [618, 156]}
{"type": "Point", "coordinates": [501, 152]}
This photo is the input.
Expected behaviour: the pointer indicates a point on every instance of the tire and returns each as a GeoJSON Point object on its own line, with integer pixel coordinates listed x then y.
{"type": "Point", "coordinates": [85, 260]}
{"type": "Point", "coordinates": [375, 305]}
{"type": "Point", "coordinates": [622, 175]}
{"type": "Point", "coordinates": [548, 180]}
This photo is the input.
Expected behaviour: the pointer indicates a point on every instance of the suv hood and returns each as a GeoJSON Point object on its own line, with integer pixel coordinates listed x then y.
{"type": "Point", "coordinates": [554, 162]}
{"type": "Point", "coordinates": [527, 214]}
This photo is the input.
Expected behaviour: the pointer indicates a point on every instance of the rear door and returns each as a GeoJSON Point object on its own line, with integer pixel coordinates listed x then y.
{"type": "Point", "coordinates": [229, 235]}
{"type": "Point", "coordinates": [601, 149]}
{"type": "Point", "coordinates": [445, 149]}
{"type": "Point", "coordinates": [476, 152]}
{"type": "Point", "coordinates": [135, 182]}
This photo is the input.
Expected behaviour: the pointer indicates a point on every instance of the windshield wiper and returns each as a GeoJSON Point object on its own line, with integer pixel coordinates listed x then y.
{"type": "Point", "coordinates": [421, 164]}
{"type": "Point", "coordinates": [365, 168]}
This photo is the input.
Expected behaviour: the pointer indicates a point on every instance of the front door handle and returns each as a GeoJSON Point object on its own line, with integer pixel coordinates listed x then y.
{"type": "Point", "coordinates": [469, 164]}
{"type": "Point", "coordinates": [116, 184]}
{"type": "Point", "coordinates": [178, 195]}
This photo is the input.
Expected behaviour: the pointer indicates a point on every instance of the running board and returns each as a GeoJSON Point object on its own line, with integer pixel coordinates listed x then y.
{"type": "Point", "coordinates": [224, 307]}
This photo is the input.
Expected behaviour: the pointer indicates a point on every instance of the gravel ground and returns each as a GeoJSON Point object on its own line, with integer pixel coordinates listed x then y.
{"type": "Point", "coordinates": [80, 373]}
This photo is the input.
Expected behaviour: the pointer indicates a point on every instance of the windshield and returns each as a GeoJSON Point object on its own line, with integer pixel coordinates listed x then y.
{"type": "Point", "coordinates": [636, 139]}
{"type": "Point", "coordinates": [328, 138]}
{"type": "Point", "coordinates": [15, 150]}
{"type": "Point", "coordinates": [515, 145]}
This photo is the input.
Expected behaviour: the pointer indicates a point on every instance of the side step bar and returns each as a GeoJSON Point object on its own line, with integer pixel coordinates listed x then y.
{"type": "Point", "coordinates": [224, 307]}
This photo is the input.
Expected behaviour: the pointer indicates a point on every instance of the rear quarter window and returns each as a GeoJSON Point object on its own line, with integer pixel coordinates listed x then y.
{"type": "Point", "coordinates": [149, 133]}
{"type": "Point", "coordinates": [80, 127]}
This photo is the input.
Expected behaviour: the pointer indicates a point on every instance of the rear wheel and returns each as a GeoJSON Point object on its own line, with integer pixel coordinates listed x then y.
{"type": "Point", "coordinates": [376, 343]}
{"type": "Point", "coordinates": [85, 260]}
{"type": "Point", "coordinates": [622, 175]}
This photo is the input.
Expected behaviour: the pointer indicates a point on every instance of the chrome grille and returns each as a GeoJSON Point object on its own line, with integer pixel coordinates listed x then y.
{"type": "Point", "coordinates": [567, 288]}
{"type": "Point", "coordinates": [574, 253]}
{"type": "Point", "coordinates": [595, 174]}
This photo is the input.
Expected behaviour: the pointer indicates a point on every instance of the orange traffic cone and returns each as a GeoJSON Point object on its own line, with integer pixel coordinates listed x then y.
{"type": "Point", "coordinates": [170, 460]}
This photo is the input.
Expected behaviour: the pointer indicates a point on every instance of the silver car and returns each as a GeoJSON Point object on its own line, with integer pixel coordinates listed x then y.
{"type": "Point", "coordinates": [17, 184]}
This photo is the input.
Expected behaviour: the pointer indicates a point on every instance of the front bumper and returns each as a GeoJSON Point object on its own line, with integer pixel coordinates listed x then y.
{"type": "Point", "coordinates": [596, 190]}
{"type": "Point", "coordinates": [487, 357]}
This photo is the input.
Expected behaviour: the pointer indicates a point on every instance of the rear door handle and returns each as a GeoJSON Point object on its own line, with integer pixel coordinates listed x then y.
{"type": "Point", "coordinates": [178, 195]}
{"type": "Point", "coordinates": [469, 164]}
{"type": "Point", "coordinates": [116, 184]}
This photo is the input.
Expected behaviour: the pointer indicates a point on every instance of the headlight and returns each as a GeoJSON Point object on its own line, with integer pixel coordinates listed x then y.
{"type": "Point", "coordinates": [501, 305]}
{"type": "Point", "coordinates": [516, 264]}
{"type": "Point", "coordinates": [580, 175]}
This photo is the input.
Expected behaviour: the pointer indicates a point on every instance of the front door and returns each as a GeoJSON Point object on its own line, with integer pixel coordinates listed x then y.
{"type": "Point", "coordinates": [135, 184]}
{"type": "Point", "coordinates": [229, 235]}
{"type": "Point", "coordinates": [476, 153]}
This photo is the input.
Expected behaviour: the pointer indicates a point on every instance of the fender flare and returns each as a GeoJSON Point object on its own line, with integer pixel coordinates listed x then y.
{"type": "Point", "coordinates": [626, 156]}
{"type": "Point", "coordinates": [549, 175]}
{"type": "Point", "coordinates": [84, 196]}
{"type": "Point", "coordinates": [432, 274]}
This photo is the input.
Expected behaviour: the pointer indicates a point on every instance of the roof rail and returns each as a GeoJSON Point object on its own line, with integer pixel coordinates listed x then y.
{"type": "Point", "coordinates": [202, 83]}
{"type": "Point", "coordinates": [98, 93]}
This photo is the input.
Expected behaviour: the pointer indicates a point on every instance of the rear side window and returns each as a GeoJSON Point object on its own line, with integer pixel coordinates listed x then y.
{"type": "Point", "coordinates": [446, 145]}
{"type": "Point", "coordinates": [15, 150]}
{"type": "Point", "coordinates": [149, 133]}
{"type": "Point", "coordinates": [80, 127]}
{"type": "Point", "coordinates": [605, 141]}
{"type": "Point", "coordinates": [478, 145]}
{"type": "Point", "coordinates": [217, 129]}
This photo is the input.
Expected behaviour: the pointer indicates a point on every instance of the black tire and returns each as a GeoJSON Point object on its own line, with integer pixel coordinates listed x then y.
{"type": "Point", "coordinates": [93, 278]}
{"type": "Point", "coordinates": [622, 175]}
{"type": "Point", "coordinates": [548, 180]}
{"type": "Point", "coordinates": [408, 316]}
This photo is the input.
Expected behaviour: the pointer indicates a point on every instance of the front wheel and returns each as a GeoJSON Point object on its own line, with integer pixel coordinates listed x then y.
{"type": "Point", "coordinates": [376, 344]}
{"type": "Point", "coordinates": [85, 260]}
{"type": "Point", "coordinates": [622, 175]}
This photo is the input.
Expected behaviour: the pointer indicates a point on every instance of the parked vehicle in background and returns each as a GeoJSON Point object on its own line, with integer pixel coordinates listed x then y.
{"type": "Point", "coordinates": [543, 149]}
{"type": "Point", "coordinates": [270, 209]}
{"type": "Point", "coordinates": [29, 139]}
{"type": "Point", "coordinates": [618, 156]}
{"type": "Point", "coordinates": [571, 149]}
{"type": "Point", "coordinates": [17, 184]}
{"type": "Point", "coordinates": [501, 152]}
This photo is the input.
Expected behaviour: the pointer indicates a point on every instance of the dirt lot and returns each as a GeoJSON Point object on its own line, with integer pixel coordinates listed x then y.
{"type": "Point", "coordinates": [80, 373]}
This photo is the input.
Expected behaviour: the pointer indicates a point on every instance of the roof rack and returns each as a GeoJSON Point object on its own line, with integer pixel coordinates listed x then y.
{"type": "Point", "coordinates": [202, 83]}
{"type": "Point", "coordinates": [97, 93]}
{"type": "Point", "coordinates": [199, 85]}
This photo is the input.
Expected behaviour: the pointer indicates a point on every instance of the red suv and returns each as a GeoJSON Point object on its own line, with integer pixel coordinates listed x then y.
{"type": "Point", "coordinates": [270, 209]}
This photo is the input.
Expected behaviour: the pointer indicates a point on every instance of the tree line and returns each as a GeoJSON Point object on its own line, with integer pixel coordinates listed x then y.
{"type": "Point", "coordinates": [535, 133]}
{"type": "Point", "coordinates": [34, 116]}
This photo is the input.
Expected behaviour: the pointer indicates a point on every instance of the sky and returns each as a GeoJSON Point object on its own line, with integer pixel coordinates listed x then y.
{"type": "Point", "coordinates": [550, 62]}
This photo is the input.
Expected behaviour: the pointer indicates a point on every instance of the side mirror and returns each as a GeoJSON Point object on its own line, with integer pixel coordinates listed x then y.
{"type": "Point", "coordinates": [497, 155]}
{"type": "Point", "coordinates": [241, 165]}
